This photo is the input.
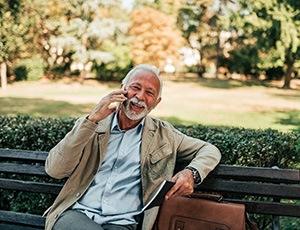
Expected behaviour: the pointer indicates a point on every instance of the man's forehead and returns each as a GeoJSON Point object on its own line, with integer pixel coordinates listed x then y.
{"type": "Point", "coordinates": [143, 75]}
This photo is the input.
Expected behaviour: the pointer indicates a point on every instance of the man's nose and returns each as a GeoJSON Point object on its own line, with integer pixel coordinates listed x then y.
{"type": "Point", "coordinates": [140, 95]}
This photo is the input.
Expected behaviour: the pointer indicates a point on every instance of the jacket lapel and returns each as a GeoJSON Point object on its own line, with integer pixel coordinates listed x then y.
{"type": "Point", "coordinates": [147, 136]}
{"type": "Point", "coordinates": [147, 140]}
{"type": "Point", "coordinates": [103, 131]}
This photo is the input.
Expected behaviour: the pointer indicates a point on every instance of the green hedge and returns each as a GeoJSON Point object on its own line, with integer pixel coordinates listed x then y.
{"type": "Point", "coordinates": [25, 132]}
{"type": "Point", "coordinates": [250, 147]}
{"type": "Point", "coordinates": [239, 146]}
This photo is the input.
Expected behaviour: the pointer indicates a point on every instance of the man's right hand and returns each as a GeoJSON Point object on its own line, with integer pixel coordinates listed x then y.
{"type": "Point", "coordinates": [102, 109]}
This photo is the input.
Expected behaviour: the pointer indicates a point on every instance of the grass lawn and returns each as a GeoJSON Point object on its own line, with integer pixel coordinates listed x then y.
{"type": "Point", "coordinates": [185, 101]}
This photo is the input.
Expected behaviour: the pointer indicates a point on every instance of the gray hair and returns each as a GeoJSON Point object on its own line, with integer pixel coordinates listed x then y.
{"type": "Point", "coordinates": [147, 67]}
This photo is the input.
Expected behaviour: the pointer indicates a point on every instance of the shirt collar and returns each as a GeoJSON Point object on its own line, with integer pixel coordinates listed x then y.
{"type": "Point", "coordinates": [115, 125]}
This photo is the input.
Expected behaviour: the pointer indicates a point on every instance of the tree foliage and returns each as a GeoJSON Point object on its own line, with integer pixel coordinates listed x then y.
{"type": "Point", "coordinates": [22, 33]}
{"type": "Point", "coordinates": [76, 37]}
{"type": "Point", "coordinates": [12, 31]}
{"type": "Point", "coordinates": [156, 38]}
{"type": "Point", "coordinates": [168, 7]}
{"type": "Point", "coordinates": [267, 37]}
{"type": "Point", "coordinates": [201, 22]}
{"type": "Point", "coordinates": [82, 34]}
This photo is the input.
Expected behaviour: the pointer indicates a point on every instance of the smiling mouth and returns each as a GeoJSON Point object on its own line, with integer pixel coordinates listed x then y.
{"type": "Point", "coordinates": [136, 105]}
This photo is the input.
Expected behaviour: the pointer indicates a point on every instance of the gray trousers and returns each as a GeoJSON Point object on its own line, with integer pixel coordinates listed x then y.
{"type": "Point", "coordinates": [76, 220]}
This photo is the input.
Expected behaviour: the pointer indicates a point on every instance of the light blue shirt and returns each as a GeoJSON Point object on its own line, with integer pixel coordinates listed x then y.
{"type": "Point", "coordinates": [115, 195]}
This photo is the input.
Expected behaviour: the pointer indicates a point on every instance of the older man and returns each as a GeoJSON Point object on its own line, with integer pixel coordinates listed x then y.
{"type": "Point", "coordinates": [116, 156]}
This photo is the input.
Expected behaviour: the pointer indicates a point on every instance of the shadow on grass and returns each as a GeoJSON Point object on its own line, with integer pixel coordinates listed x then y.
{"type": "Point", "coordinates": [37, 107]}
{"type": "Point", "coordinates": [225, 83]}
{"type": "Point", "coordinates": [42, 108]}
{"type": "Point", "coordinates": [291, 118]}
{"type": "Point", "coordinates": [287, 96]}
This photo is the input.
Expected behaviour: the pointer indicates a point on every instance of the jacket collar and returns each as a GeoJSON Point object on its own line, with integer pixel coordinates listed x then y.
{"type": "Point", "coordinates": [150, 123]}
{"type": "Point", "coordinates": [104, 125]}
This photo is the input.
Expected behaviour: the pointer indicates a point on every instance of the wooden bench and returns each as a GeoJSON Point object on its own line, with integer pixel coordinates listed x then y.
{"type": "Point", "coordinates": [273, 191]}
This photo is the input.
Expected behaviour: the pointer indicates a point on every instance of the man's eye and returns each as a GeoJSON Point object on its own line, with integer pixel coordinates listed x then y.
{"type": "Point", "coordinates": [135, 87]}
{"type": "Point", "coordinates": [150, 93]}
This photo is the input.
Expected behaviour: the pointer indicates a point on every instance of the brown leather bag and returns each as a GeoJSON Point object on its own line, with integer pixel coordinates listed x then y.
{"type": "Point", "coordinates": [201, 212]}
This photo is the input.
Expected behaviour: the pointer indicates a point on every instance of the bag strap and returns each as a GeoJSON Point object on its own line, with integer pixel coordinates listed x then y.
{"type": "Point", "coordinates": [251, 224]}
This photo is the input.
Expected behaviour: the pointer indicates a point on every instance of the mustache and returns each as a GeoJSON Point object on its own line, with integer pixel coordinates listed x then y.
{"type": "Point", "coordinates": [136, 101]}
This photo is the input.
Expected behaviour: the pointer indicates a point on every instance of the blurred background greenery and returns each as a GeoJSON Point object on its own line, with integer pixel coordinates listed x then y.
{"type": "Point", "coordinates": [253, 39]}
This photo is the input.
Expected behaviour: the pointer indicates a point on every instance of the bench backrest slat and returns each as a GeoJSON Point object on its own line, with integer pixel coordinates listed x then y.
{"type": "Point", "coordinates": [255, 173]}
{"type": "Point", "coordinates": [267, 208]}
{"type": "Point", "coordinates": [37, 156]}
{"type": "Point", "coordinates": [29, 186]}
{"type": "Point", "coordinates": [35, 170]}
{"type": "Point", "coordinates": [248, 173]}
{"type": "Point", "coordinates": [254, 188]}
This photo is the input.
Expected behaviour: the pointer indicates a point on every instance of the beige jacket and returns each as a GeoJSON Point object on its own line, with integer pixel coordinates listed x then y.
{"type": "Point", "coordinates": [80, 154]}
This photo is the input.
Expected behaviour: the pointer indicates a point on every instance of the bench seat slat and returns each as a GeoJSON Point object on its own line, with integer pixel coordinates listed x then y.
{"type": "Point", "coordinates": [12, 226]}
{"type": "Point", "coordinates": [28, 186]}
{"type": "Point", "coordinates": [22, 218]}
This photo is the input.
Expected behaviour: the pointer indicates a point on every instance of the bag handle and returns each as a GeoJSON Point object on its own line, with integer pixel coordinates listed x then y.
{"type": "Point", "coordinates": [207, 196]}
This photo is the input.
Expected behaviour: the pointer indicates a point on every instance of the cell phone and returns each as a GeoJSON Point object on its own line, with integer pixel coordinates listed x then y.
{"type": "Point", "coordinates": [123, 88]}
{"type": "Point", "coordinates": [116, 104]}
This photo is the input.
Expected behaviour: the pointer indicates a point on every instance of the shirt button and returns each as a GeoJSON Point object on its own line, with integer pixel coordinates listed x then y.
{"type": "Point", "coordinates": [78, 194]}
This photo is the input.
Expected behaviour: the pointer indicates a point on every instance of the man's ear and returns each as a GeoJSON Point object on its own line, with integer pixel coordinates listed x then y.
{"type": "Point", "coordinates": [157, 102]}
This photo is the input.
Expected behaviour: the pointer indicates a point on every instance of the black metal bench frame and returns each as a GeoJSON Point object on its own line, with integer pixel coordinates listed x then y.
{"type": "Point", "coordinates": [276, 184]}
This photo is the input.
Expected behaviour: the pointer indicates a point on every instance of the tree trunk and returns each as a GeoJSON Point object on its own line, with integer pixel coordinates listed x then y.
{"type": "Point", "coordinates": [82, 76]}
{"type": "Point", "coordinates": [3, 74]}
{"type": "Point", "coordinates": [218, 56]}
{"type": "Point", "coordinates": [200, 67]}
{"type": "Point", "coordinates": [288, 77]}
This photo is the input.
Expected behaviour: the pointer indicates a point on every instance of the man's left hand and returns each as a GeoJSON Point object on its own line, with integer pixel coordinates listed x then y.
{"type": "Point", "coordinates": [184, 184]}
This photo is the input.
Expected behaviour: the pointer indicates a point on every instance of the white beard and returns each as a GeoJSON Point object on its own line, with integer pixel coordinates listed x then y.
{"type": "Point", "coordinates": [132, 115]}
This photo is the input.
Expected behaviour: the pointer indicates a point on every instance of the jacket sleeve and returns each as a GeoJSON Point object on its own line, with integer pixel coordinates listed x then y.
{"type": "Point", "coordinates": [202, 155]}
{"type": "Point", "coordinates": [65, 156]}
